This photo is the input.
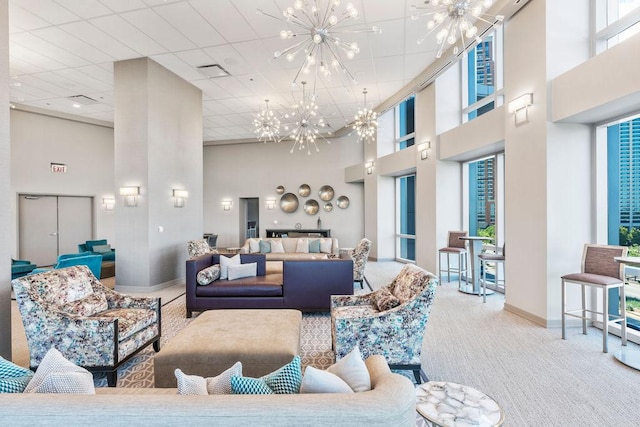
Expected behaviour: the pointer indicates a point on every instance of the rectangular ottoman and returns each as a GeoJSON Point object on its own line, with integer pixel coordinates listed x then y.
{"type": "Point", "coordinates": [263, 340]}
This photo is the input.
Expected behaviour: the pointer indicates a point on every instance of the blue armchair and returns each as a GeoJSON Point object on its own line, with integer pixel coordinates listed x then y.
{"type": "Point", "coordinates": [98, 247]}
{"type": "Point", "coordinates": [21, 267]}
{"type": "Point", "coordinates": [94, 262]}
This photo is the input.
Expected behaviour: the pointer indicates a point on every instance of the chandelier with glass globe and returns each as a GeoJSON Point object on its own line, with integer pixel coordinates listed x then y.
{"type": "Point", "coordinates": [453, 21]}
{"type": "Point", "coordinates": [267, 125]}
{"type": "Point", "coordinates": [319, 28]}
{"type": "Point", "coordinates": [306, 123]}
{"type": "Point", "coordinates": [366, 122]}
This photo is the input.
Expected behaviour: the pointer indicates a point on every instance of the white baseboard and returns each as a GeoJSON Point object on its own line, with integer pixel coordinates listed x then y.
{"type": "Point", "coordinates": [154, 288]}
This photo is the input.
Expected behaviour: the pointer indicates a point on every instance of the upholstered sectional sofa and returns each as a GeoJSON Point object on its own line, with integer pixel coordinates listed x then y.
{"type": "Point", "coordinates": [327, 248]}
{"type": "Point", "coordinates": [390, 402]}
{"type": "Point", "coordinates": [303, 285]}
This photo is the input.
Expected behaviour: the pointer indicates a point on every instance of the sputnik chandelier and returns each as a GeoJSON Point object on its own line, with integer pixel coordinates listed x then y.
{"type": "Point", "coordinates": [366, 122]}
{"type": "Point", "coordinates": [267, 125]}
{"type": "Point", "coordinates": [453, 20]}
{"type": "Point", "coordinates": [318, 26]}
{"type": "Point", "coordinates": [307, 122]}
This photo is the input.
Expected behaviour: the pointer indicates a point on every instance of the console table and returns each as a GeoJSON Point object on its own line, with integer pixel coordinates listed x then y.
{"type": "Point", "coordinates": [302, 231]}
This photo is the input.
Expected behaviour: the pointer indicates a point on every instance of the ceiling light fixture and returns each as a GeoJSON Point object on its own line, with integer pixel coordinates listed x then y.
{"type": "Point", "coordinates": [306, 125]}
{"type": "Point", "coordinates": [453, 20]}
{"type": "Point", "coordinates": [267, 125]}
{"type": "Point", "coordinates": [321, 43]}
{"type": "Point", "coordinates": [366, 122]}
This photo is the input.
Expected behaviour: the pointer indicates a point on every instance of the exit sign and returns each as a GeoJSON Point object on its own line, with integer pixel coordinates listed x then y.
{"type": "Point", "coordinates": [58, 168]}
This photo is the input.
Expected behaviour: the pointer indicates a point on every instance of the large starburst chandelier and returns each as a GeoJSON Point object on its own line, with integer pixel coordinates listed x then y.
{"type": "Point", "coordinates": [306, 123]}
{"type": "Point", "coordinates": [452, 20]}
{"type": "Point", "coordinates": [318, 26]}
{"type": "Point", "coordinates": [266, 124]}
{"type": "Point", "coordinates": [366, 122]}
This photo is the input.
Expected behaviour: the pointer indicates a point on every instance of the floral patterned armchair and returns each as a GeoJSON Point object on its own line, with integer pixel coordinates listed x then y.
{"type": "Point", "coordinates": [91, 325]}
{"type": "Point", "coordinates": [359, 255]}
{"type": "Point", "coordinates": [199, 247]}
{"type": "Point", "coordinates": [390, 321]}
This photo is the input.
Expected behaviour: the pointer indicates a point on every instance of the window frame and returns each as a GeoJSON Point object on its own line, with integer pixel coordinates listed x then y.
{"type": "Point", "coordinates": [398, 140]}
{"type": "Point", "coordinates": [398, 234]}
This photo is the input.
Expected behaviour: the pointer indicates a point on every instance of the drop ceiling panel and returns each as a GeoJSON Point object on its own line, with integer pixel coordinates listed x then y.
{"type": "Point", "coordinates": [49, 11]}
{"type": "Point", "coordinates": [29, 56]}
{"type": "Point", "coordinates": [150, 23]}
{"type": "Point", "coordinates": [89, 83]}
{"type": "Point", "coordinates": [177, 66]}
{"type": "Point", "coordinates": [22, 20]}
{"type": "Point", "coordinates": [229, 58]}
{"type": "Point", "coordinates": [263, 26]}
{"type": "Point", "coordinates": [43, 47]}
{"type": "Point", "coordinates": [99, 40]}
{"type": "Point", "coordinates": [73, 44]}
{"type": "Point", "coordinates": [379, 10]}
{"type": "Point", "coordinates": [190, 23]}
{"type": "Point", "coordinates": [98, 73]}
{"type": "Point", "coordinates": [120, 6]}
{"type": "Point", "coordinates": [85, 9]}
{"type": "Point", "coordinates": [117, 27]}
{"type": "Point", "coordinates": [225, 19]}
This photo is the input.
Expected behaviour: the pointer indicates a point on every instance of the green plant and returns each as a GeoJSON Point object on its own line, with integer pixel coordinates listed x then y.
{"type": "Point", "coordinates": [490, 231]}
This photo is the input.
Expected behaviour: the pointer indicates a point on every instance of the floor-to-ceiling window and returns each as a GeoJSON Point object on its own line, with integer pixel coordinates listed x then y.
{"type": "Point", "coordinates": [405, 124]}
{"type": "Point", "coordinates": [406, 218]}
{"type": "Point", "coordinates": [623, 183]}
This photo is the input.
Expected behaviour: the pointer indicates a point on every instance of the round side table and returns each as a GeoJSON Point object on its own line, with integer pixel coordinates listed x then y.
{"type": "Point", "coordinates": [449, 404]}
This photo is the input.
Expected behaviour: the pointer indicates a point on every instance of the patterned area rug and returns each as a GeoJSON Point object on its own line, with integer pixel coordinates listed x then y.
{"type": "Point", "coordinates": [315, 345]}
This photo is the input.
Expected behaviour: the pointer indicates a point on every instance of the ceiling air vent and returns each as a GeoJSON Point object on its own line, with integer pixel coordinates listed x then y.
{"type": "Point", "coordinates": [82, 99]}
{"type": "Point", "coordinates": [213, 71]}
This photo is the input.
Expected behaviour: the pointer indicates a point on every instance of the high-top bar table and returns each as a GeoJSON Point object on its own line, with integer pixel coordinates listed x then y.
{"type": "Point", "coordinates": [475, 249]}
{"type": "Point", "coordinates": [630, 358]}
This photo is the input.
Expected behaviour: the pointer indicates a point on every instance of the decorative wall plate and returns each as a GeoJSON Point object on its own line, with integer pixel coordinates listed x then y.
{"type": "Point", "coordinates": [326, 193]}
{"type": "Point", "coordinates": [328, 207]}
{"type": "Point", "coordinates": [311, 207]}
{"type": "Point", "coordinates": [289, 202]}
{"type": "Point", "coordinates": [280, 189]}
{"type": "Point", "coordinates": [343, 202]}
{"type": "Point", "coordinates": [304, 190]}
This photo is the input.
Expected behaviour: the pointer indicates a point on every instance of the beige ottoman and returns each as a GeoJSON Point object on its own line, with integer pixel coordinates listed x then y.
{"type": "Point", "coordinates": [263, 340]}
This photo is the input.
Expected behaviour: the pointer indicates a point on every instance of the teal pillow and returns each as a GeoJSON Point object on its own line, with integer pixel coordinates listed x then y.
{"type": "Point", "coordinates": [285, 380]}
{"type": "Point", "coordinates": [13, 378]}
{"type": "Point", "coordinates": [265, 247]}
{"type": "Point", "coordinates": [314, 246]}
{"type": "Point", "coordinates": [102, 249]}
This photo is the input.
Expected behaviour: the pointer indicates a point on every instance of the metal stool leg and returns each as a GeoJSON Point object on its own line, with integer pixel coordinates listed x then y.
{"type": "Point", "coordinates": [564, 309]}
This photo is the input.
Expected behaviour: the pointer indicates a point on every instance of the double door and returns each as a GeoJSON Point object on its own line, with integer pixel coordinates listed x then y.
{"type": "Point", "coordinates": [50, 225]}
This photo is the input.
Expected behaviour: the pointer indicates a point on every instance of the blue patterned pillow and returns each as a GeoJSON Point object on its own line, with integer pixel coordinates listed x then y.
{"type": "Point", "coordinates": [265, 247]}
{"type": "Point", "coordinates": [285, 380]}
{"type": "Point", "coordinates": [13, 378]}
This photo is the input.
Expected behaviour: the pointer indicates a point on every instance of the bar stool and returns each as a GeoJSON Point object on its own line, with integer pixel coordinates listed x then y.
{"type": "Point", "coordinates": [251, 229]}
{"type": "Point", "coordinates": [600, 271]}
{"type": "Point", "coordinates": [491, 258]}
{"type": "Point", "coordinates": [459, 248]}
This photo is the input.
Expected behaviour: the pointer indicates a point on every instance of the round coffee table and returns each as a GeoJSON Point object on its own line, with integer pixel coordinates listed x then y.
{"type": "Point", "coordinates": [449, 405]}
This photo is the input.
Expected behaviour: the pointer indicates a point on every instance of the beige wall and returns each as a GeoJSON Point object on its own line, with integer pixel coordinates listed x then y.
{"type": "Point", "coordinates": [255, 170]}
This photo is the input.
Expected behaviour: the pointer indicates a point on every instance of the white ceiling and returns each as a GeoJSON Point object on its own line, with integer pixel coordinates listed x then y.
{"type": "Point", "coordinates": [63, 48]}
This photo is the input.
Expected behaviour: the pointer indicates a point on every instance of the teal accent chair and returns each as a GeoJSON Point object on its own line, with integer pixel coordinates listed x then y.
{"type": "Point", "coordinates": [21, 267]}
{"type": "Point", "coordinates": [94, 262]}
{"type": "Point", "coordinates": [88, 248]}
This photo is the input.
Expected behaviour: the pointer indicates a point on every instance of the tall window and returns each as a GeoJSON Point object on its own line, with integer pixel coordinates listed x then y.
{"type": "Point", "coordinates": [482, 201]}
{"type": "Point", "coordinates": [483, 76]}
{"type": "Point", "coordinates": [616, 20]}
{"type": "Point", "coordinates": [623, 178]}
{"type": "Point", "coordinates": [406, 217]}
{"type": "Point", "coordinates": [405, 124]}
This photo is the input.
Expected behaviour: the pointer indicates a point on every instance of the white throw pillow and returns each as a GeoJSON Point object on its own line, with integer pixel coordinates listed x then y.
{"type": "Point", "coordinates": [254, 246]}
{"type": "Point", "coordinates": [194, 384]}
{"type": "Point", "coordinates": [353, 371]}
{"type": "Point", "coordinates": [55, 374]}
{"type": "Point", "coordinates": [276, 247]}
{"type": "Point", "coordinates": [326, 245]}
{"type": "Point", "coordinates": [319, 381]}
{"type": "Point", "coordinates": [243, 270]}
{"type": "Point", "coordinates": [303, 246]}
{"type": "Point", "coordinates": [225, 262]}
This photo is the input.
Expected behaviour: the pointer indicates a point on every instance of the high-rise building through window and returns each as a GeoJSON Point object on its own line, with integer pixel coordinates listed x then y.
{"type": "Point", "coordinates": [482, 206]}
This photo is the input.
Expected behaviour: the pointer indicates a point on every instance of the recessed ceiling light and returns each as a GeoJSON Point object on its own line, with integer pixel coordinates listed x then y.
{"type": "Point", "coordinates": [75, 105]}
{"type": "Point", "coordinates": [213, 71]}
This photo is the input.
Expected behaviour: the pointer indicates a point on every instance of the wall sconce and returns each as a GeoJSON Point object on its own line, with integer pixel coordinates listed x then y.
{"type": "Point", "coordinates": [369, 167]}
{"type": "Point", "coordinates": [226, 205]}
{"type": "Point", "coordinates": [520, 107]}
{"type": "Point", "coordinates": [108, 203]}
{"type": "Point", "coordinates": [424, 149]}
{"type": "Point", "coordinates": [178, 197]}
{"type": "Point", "coordinates": [130, 195]}
{"type": "Point", "coordinates": [271, 204]}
